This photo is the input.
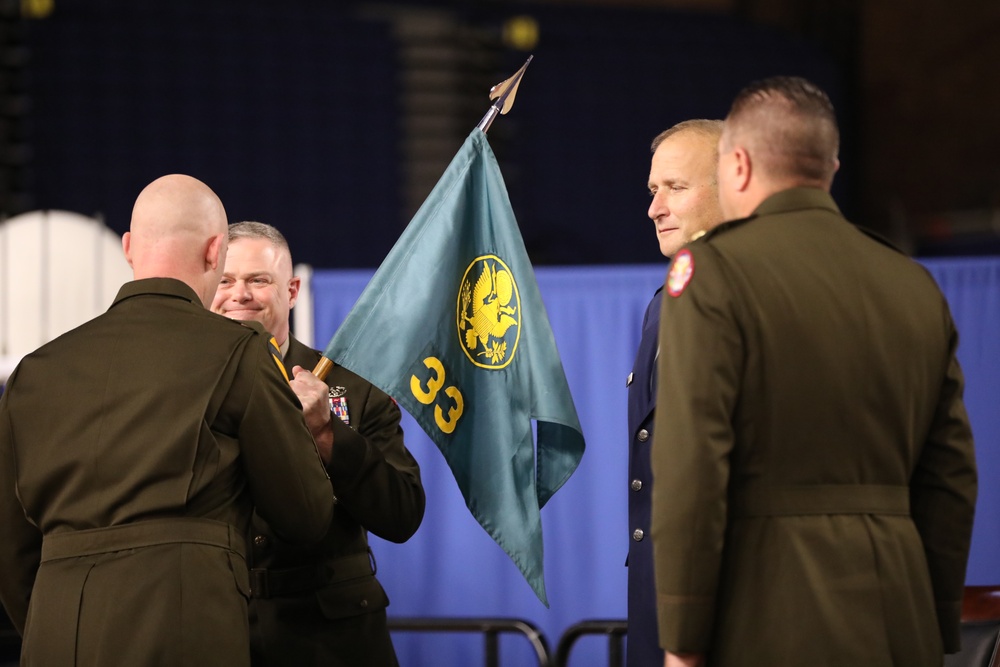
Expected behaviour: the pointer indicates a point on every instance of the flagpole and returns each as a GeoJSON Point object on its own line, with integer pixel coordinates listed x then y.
{"type": "Point", "coordinates": [503, 93]}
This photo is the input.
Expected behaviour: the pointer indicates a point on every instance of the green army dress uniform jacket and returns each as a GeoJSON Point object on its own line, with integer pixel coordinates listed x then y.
{"type": "Point", "coordinates": [814, 471]}
{"type": "Point", "coordinates": [132, 452]}
{"type": "Point", "coordinates": [321, 604]}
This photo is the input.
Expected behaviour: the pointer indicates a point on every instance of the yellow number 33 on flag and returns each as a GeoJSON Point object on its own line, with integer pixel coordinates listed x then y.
{"type": "Point", "coordinates": [434, 385]}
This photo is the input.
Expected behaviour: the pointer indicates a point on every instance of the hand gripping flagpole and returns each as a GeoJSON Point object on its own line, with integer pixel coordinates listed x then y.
{"type": "Point", "coordinates": [503, 93]}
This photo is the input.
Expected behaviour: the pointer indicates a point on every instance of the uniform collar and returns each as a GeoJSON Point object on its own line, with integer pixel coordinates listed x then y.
{"type": "Point", "coordinates": [158, 286]}
{"type": "Point", "coordinates": [797, 199]}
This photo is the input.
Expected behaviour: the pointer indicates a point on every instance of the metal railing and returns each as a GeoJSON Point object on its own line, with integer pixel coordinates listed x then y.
{"type": "Point", "coordinates": [614, 629]}
{"type": "Point", "coordinates": [490, 628]}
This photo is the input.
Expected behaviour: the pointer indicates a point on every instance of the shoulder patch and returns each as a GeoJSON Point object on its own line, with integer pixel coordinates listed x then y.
{"type": "Point", "coordinates": [681, 272]}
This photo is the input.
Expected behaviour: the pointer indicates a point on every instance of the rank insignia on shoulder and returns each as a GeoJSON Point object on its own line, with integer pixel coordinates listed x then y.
{"type": "Point", "coordinates": [338, 404]}
{"type": "Point", "coordinates": [681, 271]}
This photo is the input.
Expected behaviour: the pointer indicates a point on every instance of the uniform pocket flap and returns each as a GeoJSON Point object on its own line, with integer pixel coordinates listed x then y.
{"type": "Point", "coordinates": [352, 597]}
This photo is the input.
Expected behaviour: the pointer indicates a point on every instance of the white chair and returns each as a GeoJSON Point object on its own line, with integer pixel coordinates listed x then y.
{"type": "Point", "coordinates": [58, 269]}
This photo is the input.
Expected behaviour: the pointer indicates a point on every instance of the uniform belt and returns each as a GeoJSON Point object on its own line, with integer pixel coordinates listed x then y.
{"type": "Point", "coordinates": [803, 499]}
{"type": "Point", "coordinates": [188, 530]}
{"type": "Point", "coordinates": [269, 583]}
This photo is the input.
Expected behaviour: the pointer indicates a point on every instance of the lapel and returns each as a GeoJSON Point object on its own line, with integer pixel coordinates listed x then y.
{"type": "Point", "coordinates": [300, 355]}
{"type": "Point", "coordinates": [642, 390]}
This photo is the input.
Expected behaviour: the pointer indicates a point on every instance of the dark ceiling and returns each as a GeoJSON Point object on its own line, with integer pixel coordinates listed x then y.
{"type": "Point", "coordinates": [917, 98]}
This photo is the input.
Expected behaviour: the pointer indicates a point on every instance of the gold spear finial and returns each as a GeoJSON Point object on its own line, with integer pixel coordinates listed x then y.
{"type": "Point", "coordinates": [503, 93]}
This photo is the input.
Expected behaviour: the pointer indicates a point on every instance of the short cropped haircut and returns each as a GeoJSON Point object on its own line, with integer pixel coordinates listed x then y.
{"type": "Point", "coordinates": [257, 230]}
{"type": "Point", "coordinates": [710, 129]}
{"type": "Point", "coordinates": [789, 125]}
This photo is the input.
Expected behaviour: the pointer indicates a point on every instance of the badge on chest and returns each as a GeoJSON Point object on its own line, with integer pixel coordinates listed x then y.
{"type": "Point", "coordinates": [338, 404]}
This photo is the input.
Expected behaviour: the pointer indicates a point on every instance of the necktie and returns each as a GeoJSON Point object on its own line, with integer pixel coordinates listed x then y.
{"type": "Point", "coordinates": [276, 354]}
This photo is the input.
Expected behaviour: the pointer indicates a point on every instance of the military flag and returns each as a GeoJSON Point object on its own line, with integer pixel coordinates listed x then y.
{"type": "Point", "coordinates": [452, 326]}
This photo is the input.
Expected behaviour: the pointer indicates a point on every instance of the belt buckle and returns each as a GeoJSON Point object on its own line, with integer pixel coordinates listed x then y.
{"type": "Point", "coordinates": [258, 583]}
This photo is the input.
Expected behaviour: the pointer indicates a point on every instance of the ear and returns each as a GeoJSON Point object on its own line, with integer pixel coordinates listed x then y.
{"type": "Point", "coordinates": [213, 252]}
{"type": "Point", "coordinates": [293, 290]}
{"type": "Point", "coordinates": [742, 168]}
{"type": "Point", "coordinates": [127, 246]}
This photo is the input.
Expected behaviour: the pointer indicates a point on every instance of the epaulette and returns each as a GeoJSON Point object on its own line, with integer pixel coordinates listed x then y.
{"type": "Point", "coordinates": [682, 264]}
{"type": "Point", "coordinates": [272, 344]}
{"type": "Point", "coordinates": [253, 324]}
{"type": "Point", "coordinates": [872, 234]}
{"type": "Point", "coordinates": [718, 229]}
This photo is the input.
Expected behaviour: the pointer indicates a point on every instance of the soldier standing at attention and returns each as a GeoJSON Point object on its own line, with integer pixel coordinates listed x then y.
{"type": "Point", "coordinates": [685, 203]}
{"type": "Point", "coordinates": [815, 479]}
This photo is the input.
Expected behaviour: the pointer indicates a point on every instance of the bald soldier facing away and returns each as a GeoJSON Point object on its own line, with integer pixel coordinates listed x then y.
{"type": "Point", "coordinates": [132, 452]}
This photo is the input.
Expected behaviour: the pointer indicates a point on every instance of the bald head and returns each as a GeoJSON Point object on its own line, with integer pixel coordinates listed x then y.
{"type": "Point", "coordinates": [178, 230]}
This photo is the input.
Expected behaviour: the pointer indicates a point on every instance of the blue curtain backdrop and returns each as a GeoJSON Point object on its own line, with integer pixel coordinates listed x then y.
{"type": "Point", "coordinates": [451, 567]}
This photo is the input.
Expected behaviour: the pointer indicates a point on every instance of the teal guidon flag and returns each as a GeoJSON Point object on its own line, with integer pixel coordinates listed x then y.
{"type": "Point", "coordinates": [452, 326]}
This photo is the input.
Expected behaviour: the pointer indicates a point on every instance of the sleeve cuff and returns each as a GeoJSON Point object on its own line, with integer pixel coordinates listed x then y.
{"type": "Point", "coordinates": [349, 451]}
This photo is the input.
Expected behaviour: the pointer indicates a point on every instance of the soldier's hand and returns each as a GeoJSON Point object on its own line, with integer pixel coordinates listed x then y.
{"type": "Point", "coordinates": [686, 660]}
{"type": "Point", "coordinates": [314, 395]}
